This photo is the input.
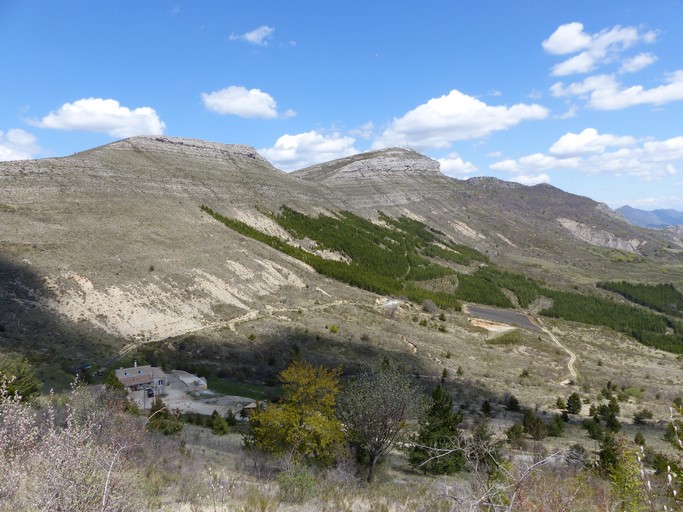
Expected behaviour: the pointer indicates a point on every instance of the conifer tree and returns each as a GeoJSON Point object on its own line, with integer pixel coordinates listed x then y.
{"type": "Point", "coordinates": [439, 430]}
{"type": "Point", "coordinates": [574, 404]}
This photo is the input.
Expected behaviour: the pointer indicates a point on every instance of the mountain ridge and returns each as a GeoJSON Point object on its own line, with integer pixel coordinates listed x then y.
{"type": "Point", "coordinates": [660, 218]}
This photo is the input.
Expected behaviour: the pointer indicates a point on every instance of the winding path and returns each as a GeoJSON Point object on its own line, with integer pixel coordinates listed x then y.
{"type": "Point", "coordinates": [572, 355]}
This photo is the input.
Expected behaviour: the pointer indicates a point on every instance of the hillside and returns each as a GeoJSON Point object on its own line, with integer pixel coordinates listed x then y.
{"type": "Point", "coordinates": [109, 247]}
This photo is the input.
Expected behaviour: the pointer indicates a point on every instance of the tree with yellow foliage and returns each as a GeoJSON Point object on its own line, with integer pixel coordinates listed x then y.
{"type": "Point", "coordinates": [303, 423]}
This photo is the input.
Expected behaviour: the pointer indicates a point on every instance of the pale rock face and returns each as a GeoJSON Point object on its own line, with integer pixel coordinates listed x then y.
{"type": "Point", "coordinates": [600, 237]}
{"type": "Point", "coordinates": [391, 163]}
{"type": "Point", "coordinates": [188, 147]}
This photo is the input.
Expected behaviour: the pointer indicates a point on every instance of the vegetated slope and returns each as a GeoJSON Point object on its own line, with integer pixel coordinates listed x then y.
{"type": "Point", "coordinates": [539, 226]}
{"type": "Point", "coordinates": [116, 241]}
{"type": "Point", "coordinates": [651, 219]}
{"type": "Point", "coordinates": [405, 257]}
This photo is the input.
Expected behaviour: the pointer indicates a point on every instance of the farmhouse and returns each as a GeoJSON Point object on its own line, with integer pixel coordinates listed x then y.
{"type": "Point", "coordinates": [142, 377]}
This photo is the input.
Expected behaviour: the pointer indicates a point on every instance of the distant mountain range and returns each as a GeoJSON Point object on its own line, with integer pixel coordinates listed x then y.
{"type": "Point", "coordinates": [651, 219]}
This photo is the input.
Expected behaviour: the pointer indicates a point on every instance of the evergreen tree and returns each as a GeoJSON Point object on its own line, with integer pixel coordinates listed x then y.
{"type": "Point", "coordinates": [162, 420]}
{"type": "Point", "coordinates": [219, 426]}
{"type": "Point", "coordinates": [513, 404]}
{"type": "Point", "coordinates": [112, 382]}
{"type": "Point", "coordinates": [20, 377]}
{"type": "Point", "coordinates": [574, 404]}
{"type": "Point", "coordinates": [486, 408]}
{"type": "Point", "coordinates": [439, 430]}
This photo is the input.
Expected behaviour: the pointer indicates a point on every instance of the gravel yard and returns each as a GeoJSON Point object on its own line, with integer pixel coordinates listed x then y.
{"type": "Point", "coordinates": [177, 395]}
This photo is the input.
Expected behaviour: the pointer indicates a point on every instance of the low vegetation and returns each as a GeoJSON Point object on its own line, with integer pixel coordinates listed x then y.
{"type": "Point", "coordinates": [315, 448]}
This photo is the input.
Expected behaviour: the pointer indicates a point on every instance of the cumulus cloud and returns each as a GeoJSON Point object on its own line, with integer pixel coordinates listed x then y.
{"type": "Point", "coordinates": [593, 49]}
{"type": "Point", "coordinates": [592, 153]}
{"type": "Point", "coordinates": [292, 152]}
{"type": "Point", "coordinates": [259, 36]}
{"type": "Point", "coordinates": [104, 116]}
{"type": "Point", "coordinates": [454, 165]}
{"type": "Point", "coordinates": [604, 92]}
{"type": "Point", "coordinates": [17, 144]}
{"type": "Point", "coordinates": [567, 38]}
{"type": "Point", "coordinates": [637, 62]}
{"type": "Point", "coordinates": [536, 162]}
{"type": "Point", "coordinates": [588, 142]}
{"type": "Point", "coordinates": [243, 102]}
{"type": "Point", "coordinates": [455, 116]}
{"type": "Point", "coordinates": [530, 180]}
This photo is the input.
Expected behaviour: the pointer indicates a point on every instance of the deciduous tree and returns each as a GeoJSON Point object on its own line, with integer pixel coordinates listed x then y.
{"type": "Point", "coordinates": [376, 408]}
{"type": "Point", "coordinates": [303, 423]}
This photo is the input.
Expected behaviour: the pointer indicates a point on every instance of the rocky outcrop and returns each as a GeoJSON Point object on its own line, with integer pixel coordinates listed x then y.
{"type": "Point", "coordinates": [392, 163]}
{"type": "Point", "coordinates": [600, 237]}
{"type": "Point", "coordinates": [192, 148]}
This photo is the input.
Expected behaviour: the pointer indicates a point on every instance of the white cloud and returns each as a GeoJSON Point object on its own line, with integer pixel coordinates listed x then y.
{"type": "Point", "coordinates": [581, 63]}
{"type": "Point", "coordinates": [365, 131]}
{"type": "Point", "coordinates": [17, 144]}
{"type": "Point", "coordinates": [567, 38]}
{"type": "Point", "coordinates": [588, 142]}
{"type": "Point", "coordinates": [243, 102]}
{"type": "Point", "coordinates": [105, 116]}
{"type": "Point", "coordinates": [259, 36]}
{"type": "Point", "coordinates": [292, 152]}
{"type": "Point", "coordinates": [571, 112]}
{"type": "Point", "coordinates": [590, 153]}
{"type": "Point", "coordinates": [452, 117]}
{"type": "Point", "coordinates": [637, 62]}
{"type": "Point", "coordinates": [530, 180]}
{"type": "Point", "coordinates": [454, 165]}
{"type": "Point", "coordinates": [594, 49]}
{"type": "Point", "coordinates": [604, 92]}
{"type": "Point", "coordinates": [535, 163]}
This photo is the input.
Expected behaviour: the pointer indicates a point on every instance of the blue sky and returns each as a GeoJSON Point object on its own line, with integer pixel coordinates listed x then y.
{"type": "Point", "coordinates": [586, 96]}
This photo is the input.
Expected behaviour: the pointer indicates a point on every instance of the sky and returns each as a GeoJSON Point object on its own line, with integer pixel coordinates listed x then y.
{"type": "Point", "coordinates": [584, 95]}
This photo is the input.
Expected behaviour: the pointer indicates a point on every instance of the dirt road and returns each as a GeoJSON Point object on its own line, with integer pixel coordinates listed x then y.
{"type": "Point", "coordinates": [572, 355]}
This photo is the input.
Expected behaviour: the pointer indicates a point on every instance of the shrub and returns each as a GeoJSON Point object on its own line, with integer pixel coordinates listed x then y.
{"type": "Point", "coordinates": [515, 432]}
{"type": "Point", "coordinates": [219, 426]}
{"type": "Point", "coordinates": [640, 416]}
{"type": "Point", "coordinates": [297, 484]}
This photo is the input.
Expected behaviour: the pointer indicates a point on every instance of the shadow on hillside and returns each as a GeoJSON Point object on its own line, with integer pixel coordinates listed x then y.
{"type": "Point", "coordinates": [42, 336]}
{"type": "Point", "coordinates": [259, 361]}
